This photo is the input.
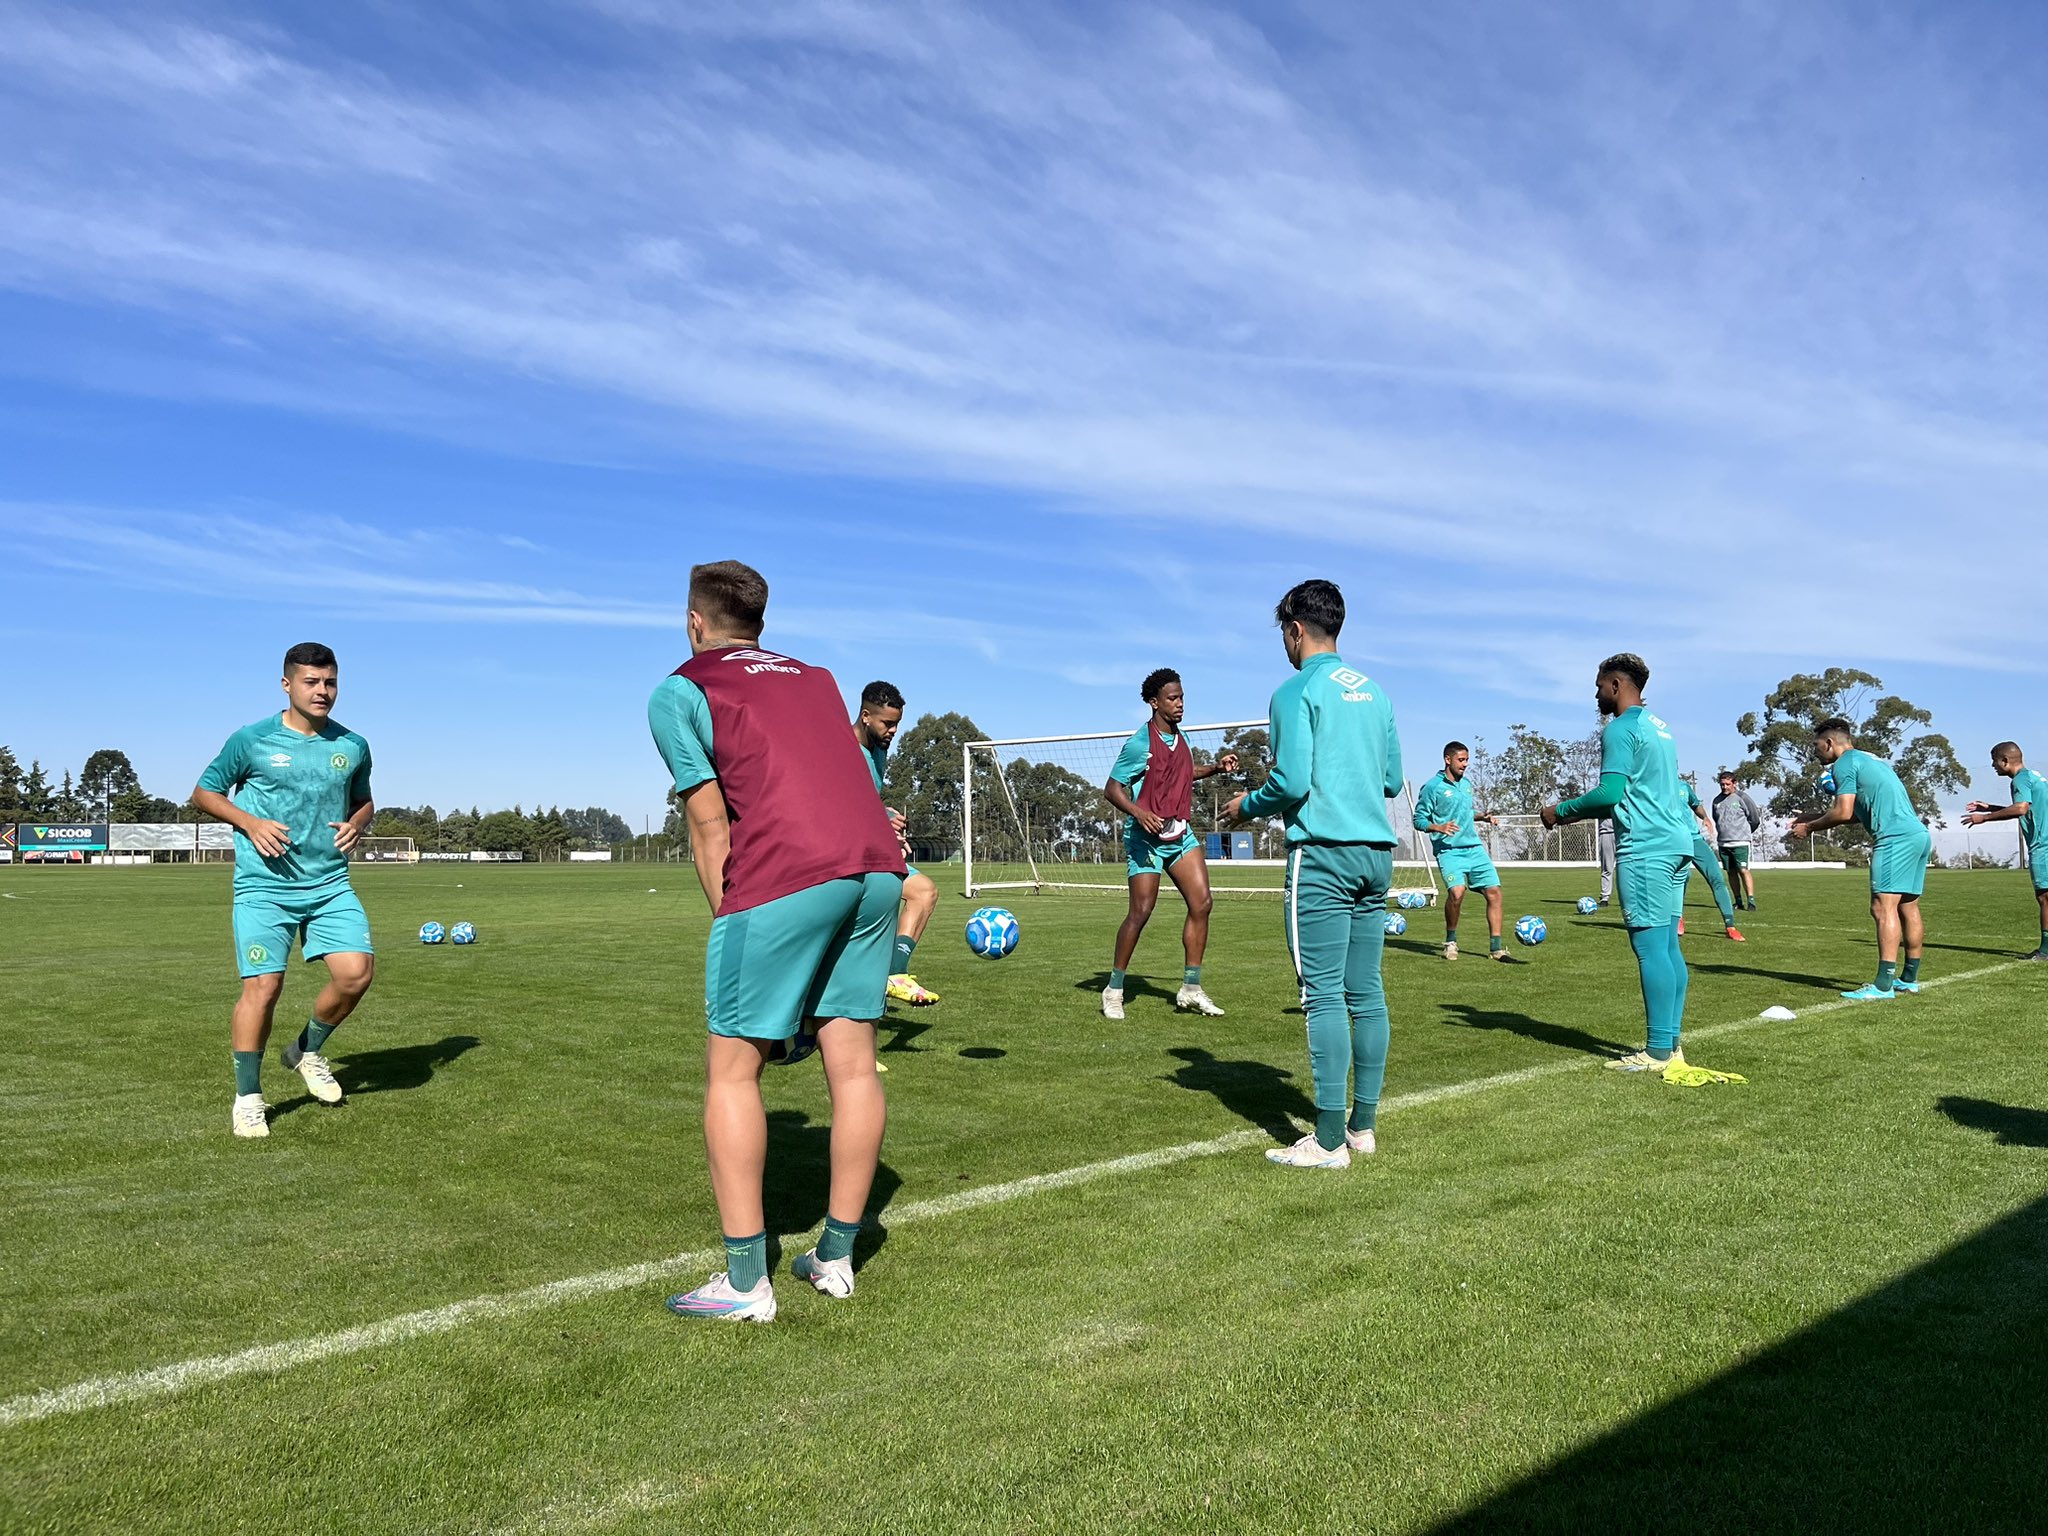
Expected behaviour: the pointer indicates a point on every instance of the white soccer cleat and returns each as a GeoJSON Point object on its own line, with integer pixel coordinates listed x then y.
{"type": "Point", "coordinates": [831, 1277]}
{"type": "Point", "coordinates": [1310, 1153]}
{"type": "Point", "coordinates": [1361, 1142]}
{"type": "Point", "coordinates": [1195, 999]}
{"type": "Point", "coordinates": [717, 1299]}
{"type": "Point", "coordinates": [251, 1115]}
{"type": "Point", "coordinates": [312, 1066]}
{"type": "Point", "coordinates": [1112, 1002]}
{"type": "Point", "coordinates": [1643, 1061]}
{"type": "Point", "coordinates": [1450, 951]}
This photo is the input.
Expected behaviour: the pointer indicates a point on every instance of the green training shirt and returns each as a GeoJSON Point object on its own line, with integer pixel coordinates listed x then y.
{"type": "Point", "coordinates": [1882, 804]}
{"type": "Point", "coordinates": [1651, 817]}
{"type": "Point", "coordinates": [1445, 799]}
{"type": "Point", "coordinates": [275, 774]}
{"type": "Point", "coordinates": [1336, 757]}
{"type": "Point", "coordinates": [2029, 787]}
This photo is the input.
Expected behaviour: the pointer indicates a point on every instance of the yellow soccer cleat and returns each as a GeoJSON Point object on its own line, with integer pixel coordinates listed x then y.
{"type": "Point", "coordinates": [905, 989]}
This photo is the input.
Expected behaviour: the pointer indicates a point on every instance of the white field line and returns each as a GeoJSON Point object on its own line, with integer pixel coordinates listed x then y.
{"type": "Point", "coordinates": [185, 1375]}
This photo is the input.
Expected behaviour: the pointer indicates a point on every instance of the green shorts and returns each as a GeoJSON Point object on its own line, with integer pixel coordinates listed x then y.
{"type": "Point", "coordinates": [820, 953]}
{"type": "Point", "coordinates": [2037, 865]}
{"type": "Point", "coordinates": [1734, 856]}
{"type": "Point", "coordinates": [1467, 866]}
{"type": "Point", "coordinates": [1898, 865]}
{"type": "Point", "coordinates": [1652, 887]}
{"type": "Point", "coordinates": [329, 921]}
{"type": "Point", "coordinates": [1145, 854]}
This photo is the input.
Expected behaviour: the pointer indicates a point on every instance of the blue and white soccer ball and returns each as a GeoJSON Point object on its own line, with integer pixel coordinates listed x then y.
{"type": "Point", "coordinates": [1410, 899]}
{"type": "Point", "coordinates": [1588, 906]}
{"type": "Point", "coordinates": [432, 933]}
{"type": "Point", "coordinates": [1531, 930]}
{"type": "Point", "coordinates": [992, 932]}
{"type": "Point", "coordinates": [1827, 781]}
{"type": "Point", "coordinates": [1396, 924]}
{"type": "Point", "coordinates": [462, 933]}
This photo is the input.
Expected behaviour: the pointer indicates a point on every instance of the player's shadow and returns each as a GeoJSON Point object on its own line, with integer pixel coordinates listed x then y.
{"type": "Point", "coordinates": [2012, 1124]}
{"type": "Point", "coordinates": [1134, 986]}
{"type": "Point", "coordinates": [1977, 949]}
{"type": "Point", "coordinates": [1563, 1036]}
{"type": "Point", "coordinates": [1790, 978]}
{"type": "Point", "coordinates": [392, 1070]}
{"type": "Point", "coordinates": [1934, 1377]}
{"type": "Point", "coordinates": [901, 1034]}
{"type": "Point", "coordinates": [1256, 1091]}
{"type": "Point", "coordinates": [798, 1178]}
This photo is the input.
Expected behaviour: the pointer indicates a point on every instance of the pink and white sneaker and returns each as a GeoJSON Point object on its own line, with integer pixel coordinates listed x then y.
{"type": "Point", "coordinates": [716, 1298]}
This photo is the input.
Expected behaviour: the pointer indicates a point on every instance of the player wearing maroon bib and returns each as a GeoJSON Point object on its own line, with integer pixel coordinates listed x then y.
{"type": "Point", "coordinates": [803, 873]}
{"type": "Point", "coordinates": [1153, 784]}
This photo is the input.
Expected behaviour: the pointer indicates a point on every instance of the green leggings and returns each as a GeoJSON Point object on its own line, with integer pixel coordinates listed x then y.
{"type": "Point", "coordinates": [1704, 861]}
{"type": "Point", "coordinates": [1336, 931]}
{"type": "Point", "coordinates": [1665, 981]}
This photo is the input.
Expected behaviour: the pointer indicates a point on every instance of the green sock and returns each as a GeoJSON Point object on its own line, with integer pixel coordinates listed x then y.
{"type": "Point", "coordinates": [1659, 1055]}
{"type": "Point", "coordinates": [1365, 1114]}
{"type": "Point", "coordinates": [746, 1260]}
{"type": "Point", "coordinates": [1191, 976]}
{"type": "Point", "coordinates": [837, 1242]}
{"type": "Point", "coordinates": [1116, 981]}
{"type": "Point", "coordinates": [1450, 935]}
{"type": "Point", "coordinates": [905, 944]}
{"type": "Point", "coordinates": [248, 1072]}
{"type": "Point", "coordinates": [1329, 1129]}
{"type": "Point", "coordinates": [2044, 941]}
{"type": "Point", "coordinates": [1494, 943]}
{"type": "Point", "coordinates": [1887, 973]}
{"type": "Point", "coordinates": [1910, 971]}
{"type": "Point", "coordinates": [315, 1034]}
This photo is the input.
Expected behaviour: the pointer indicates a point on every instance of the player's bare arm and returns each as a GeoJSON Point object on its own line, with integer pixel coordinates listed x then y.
{"type": "Point", "coordinates": [1840, 814]}
{"type": "Point", "coordinates": [710, 837]}
{"type": "Point", "coordinates": [1227, 763]}
{"type": "Point", "coordinates": [272, 838]}
{"type": "Point", "coordinates": [1118, 794]}
{"type": "Point", "coordinates": [1980, 812]}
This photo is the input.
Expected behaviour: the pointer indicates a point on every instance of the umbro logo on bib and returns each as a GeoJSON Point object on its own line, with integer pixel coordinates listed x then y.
{"type": "Point", "coordinates": [762, 661]}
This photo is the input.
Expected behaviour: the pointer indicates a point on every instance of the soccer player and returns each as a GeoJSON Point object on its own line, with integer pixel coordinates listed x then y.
{"type": "Point", "coordinates": [1867, 790]}
{"type": "Point", "coordinates": [1736, 821]}
{"type": "Point", "coordinates": [2030, 809]}
{"type": "Point", "coordinates": [1707, 864]}
{"type": "Point", "coordinates": [804, 876]}
{"type": "Point", "coordinates": [1153, 784]}
{"type": "Point", "coordinates": [301, 788]}
{"type": "Point", "coordinates": [1444, 810]}
{"type": "Point", "coordinates": [1603, 839]}
{"type": "Point", "coordinates": [1336, 763]}
{"type": "Point", "coordinates": [1653, 834]}
{"type": "Point", "coordinates": [881, 714]}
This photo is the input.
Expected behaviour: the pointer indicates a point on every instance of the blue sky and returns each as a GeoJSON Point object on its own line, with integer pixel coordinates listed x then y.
{"type": "Point", "coordinates": [1024, 349]}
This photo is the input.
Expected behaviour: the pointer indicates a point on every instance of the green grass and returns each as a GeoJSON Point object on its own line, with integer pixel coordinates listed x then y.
{"type": "Point", "coordinates": [1574, 1301]}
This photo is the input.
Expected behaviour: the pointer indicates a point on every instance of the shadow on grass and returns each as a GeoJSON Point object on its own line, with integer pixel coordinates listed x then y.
{"type": "Point", "coordinates": [901, 1033]}
{"type": "Point", "coordinates": [392, 1070]}
{"type": "Point", "coordinates": [1979, 949]}
{"type": "Point", "coordinates": [798, 1177]}
{"type": "Point", "coordinates": [983, 1052]}
{"type": "Point", "coordinates": [1255, 1091]}
{"type": "Point", "coordinates": [1134, 986]}
{"type": "Point", "coordinates": [1790, 978]}
{"type": "Point", "coordinates": [1924, 1406]}
{"type": "Point", "coordinates": [2013, 1125]}
{"type": "Point", "coordinates": [1563, 1036]}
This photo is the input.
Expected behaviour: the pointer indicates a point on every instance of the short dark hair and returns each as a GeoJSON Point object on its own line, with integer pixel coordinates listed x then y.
{"type": "Point", "coordinates": [1314, 604]}
{"type": "Point", "coordinates": [1725, 773]}
{"type": "Point", "coordinates": [1455, 746]}
{"type": "Point", "coordinates": [307, 653]}
{"type": "Point", "coordinates": [1155, 683]}
{"type": "Point", "coordinates": [731, 596]}
{"type": "Point", "coordinates": [1835, 725]}
{"type": "Point", "coordinates": [2007, 749]}
{"type": "Point", "coordinates": [1630, 666]}
{"type": "Point", "coordinates": [881, 695]}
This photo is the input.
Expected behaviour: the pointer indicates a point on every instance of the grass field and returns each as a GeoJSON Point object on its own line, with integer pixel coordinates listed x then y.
{"type": "Point", "coordinates": [1557, 1299]}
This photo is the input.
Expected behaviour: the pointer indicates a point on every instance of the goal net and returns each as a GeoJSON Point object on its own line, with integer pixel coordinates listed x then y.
{"type": "Point", "coordinates": [1525, 840]}
{"type": "Point", "coordinates": [1033, 816]}
{"type": "Point", "coordinates": [384, 850]}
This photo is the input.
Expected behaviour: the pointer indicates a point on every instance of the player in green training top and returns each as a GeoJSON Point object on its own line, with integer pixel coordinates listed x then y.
{"type": "Point", "coordinates": [875, 727]}
{"type": "Point", "coordinates": [2030, 809]}
{"type": "Point", "coordinates": [1153, 784]}
{"type": "Point", "coordinates": [1443, 809]}
{"type": "Point", "coordinates": [1868, 791]}
{"type": "Point", "coordinates": [1336, 764]}
{"type": "Point", "coordinates": [1653, 837]}
{"type": "Point", "coordinates": [301, 788]}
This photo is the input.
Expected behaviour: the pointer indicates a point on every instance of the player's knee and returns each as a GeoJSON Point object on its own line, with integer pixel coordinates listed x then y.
{"type": "Point", "coordinates": [264, 989]}
{"type": "Point", "coordinates": [354, 974]}
{"type": "Point", "coordinates": [1201, 905]}
{"type": "Point", "coordinates": [1141, 908]}
{"type": "Point", "coordinates": [920, 894]}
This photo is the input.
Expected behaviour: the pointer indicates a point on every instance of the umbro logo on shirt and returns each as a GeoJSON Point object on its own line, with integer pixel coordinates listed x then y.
{"type": "Point", "coordinates": [280, 759]}
{"type": "Point", "coordinates": [1353, 684]}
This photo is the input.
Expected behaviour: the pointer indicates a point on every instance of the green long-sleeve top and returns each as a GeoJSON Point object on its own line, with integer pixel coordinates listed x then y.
{"type": "Point", "coordinates": [1336, 757]}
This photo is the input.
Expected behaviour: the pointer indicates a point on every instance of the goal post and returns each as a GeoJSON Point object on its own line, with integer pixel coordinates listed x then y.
{"type": "Point", "coordinates": [384, 850]}
{"type": "Point", "coordinates": [1033, 816]}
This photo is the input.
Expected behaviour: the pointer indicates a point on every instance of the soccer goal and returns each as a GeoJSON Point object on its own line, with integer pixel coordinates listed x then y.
{"type": "Point", "coordinates": [1033, 816]}
{"type": "Point", "coordinates": [384, 850]}
{"type": "Point", "coordinates": [1524, 840]}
